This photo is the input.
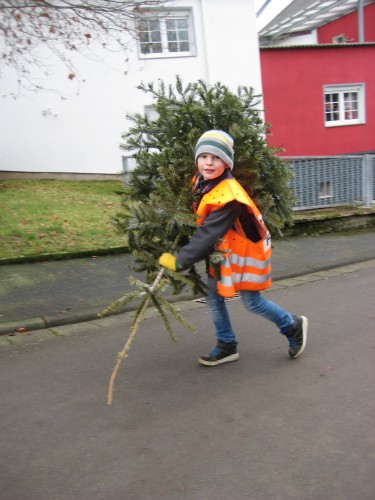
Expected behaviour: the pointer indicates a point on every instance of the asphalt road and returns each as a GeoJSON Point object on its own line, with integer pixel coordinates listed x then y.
{"type": "Point", "coordinates": [265, 427]}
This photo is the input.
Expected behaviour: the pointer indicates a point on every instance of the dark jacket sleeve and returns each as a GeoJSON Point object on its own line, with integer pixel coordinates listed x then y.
{"type": "Point", "coordinates": [215, 226]}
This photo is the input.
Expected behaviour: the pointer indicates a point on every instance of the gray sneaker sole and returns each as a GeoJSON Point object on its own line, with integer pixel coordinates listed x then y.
{"type": "Point", "coordinates": [305, 327]}
{"type": "Point", "coordinates": [227, 359]}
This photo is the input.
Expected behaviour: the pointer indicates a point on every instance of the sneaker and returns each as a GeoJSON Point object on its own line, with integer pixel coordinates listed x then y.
{"type": "Point", "coordinates": [223, 353]}
{"type": "Point", "coordinates": [297, 336]}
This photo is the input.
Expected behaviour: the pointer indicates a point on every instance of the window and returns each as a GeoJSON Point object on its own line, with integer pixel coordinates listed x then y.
{"type": "Point", "coordinates": [325, 189]}
{"type": "Point", "coordinates": [128, 165]}
{"type": "Point", "coordinates": [168, 34]}
{"type": "Point", "coordinates": [344, 105]}
{"type": "Point", "coordinates": [151, 112]}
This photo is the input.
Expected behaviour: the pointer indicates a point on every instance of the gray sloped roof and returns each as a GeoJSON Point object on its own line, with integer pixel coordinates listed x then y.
{"type": "Point", "coordinates": [306, 15]}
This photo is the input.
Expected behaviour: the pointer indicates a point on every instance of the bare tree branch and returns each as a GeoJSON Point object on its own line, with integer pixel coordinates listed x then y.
{"type": "Point", "coordinates": [65, 28]}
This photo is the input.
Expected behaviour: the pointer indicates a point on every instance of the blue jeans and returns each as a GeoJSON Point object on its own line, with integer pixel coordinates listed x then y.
{"type": "Point", "coordinates": [254, 302]}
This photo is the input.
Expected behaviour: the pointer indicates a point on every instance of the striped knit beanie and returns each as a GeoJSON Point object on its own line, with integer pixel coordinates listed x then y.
{"type": "Point", "coordinates": [218, 143]}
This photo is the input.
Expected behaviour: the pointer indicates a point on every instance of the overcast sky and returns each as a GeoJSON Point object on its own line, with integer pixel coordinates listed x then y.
{"type": "Point", "coordinates": [272, 9]}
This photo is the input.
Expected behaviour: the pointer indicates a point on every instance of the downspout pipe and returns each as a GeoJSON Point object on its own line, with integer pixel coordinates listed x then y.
{"type": "Point", "coordinates": [361, 37]}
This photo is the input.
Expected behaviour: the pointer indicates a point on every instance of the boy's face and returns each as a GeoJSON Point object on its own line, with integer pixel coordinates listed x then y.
{"type": "Point", "coordinates": [210, 166]}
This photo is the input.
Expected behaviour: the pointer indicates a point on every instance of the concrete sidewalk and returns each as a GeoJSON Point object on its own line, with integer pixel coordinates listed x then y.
{"type": "Point", "coordinates": [47, 294]}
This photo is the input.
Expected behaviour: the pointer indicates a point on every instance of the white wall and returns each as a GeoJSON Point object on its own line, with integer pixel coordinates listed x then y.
{"type": "Point", "coordinates": [42, 132]}
{"type": "Point", "coordinates": [231, 42]}
{"type": "Point", "coordinates": [309, 39]}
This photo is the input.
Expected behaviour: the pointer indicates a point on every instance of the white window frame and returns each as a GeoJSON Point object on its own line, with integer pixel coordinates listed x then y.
{"type": "Point", "coordinates": [341, 90]}
{"type": "Point", "coordinates": [163, 16]}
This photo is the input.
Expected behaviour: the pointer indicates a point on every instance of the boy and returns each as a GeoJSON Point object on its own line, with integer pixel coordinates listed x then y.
{"type": "Point", "coordinates": [228, 220]}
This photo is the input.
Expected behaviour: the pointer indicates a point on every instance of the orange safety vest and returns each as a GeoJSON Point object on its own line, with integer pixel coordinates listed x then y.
{"type": "Point", "coordinates": [246, 265]}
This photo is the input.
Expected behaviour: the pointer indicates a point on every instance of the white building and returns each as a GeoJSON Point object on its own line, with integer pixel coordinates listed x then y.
{"type": "Point", "coordinates": [45, 133]}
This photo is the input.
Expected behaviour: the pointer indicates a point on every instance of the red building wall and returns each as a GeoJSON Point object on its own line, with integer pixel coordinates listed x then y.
{"type": "Point", "coordinates": [293, 80]}
{"type": "Point", "coordinates": [348, 26]}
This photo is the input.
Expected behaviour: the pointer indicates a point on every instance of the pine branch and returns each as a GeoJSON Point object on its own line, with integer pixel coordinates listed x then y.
{"type": "Point", "coordinates": [176, 315]}
{"type": "Point", "coordinates": [119, 303]}
{"type": "Point", "coordinates": [159, 308]}
{"type": "Point", "coordinates": [133, 333]}
{"type": "Point", "coordinates": [136, 324]}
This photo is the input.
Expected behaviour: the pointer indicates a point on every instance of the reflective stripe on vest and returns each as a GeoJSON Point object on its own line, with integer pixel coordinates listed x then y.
{"type": "Point", "coordinates": [233, 277]}
{"type": "Point", "coordinates": [228, 281]}
{"type": "Point", "coordinates": [249, 261]}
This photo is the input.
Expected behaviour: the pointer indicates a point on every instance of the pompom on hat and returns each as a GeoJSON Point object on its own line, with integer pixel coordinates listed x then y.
{"type": "Point", "coordinates": [218, 143]}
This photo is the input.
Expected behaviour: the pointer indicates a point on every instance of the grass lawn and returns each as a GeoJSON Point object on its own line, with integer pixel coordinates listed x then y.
{"type": "Point", "coordinates": [52, 217]}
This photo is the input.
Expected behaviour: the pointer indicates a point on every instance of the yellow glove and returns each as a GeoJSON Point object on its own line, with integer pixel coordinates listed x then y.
{"type": "Point", "coordinates": [169, 261]}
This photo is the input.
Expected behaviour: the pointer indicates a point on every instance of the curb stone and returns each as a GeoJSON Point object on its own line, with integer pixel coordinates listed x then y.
{"type": "Point", "coordinates": [10, 329]}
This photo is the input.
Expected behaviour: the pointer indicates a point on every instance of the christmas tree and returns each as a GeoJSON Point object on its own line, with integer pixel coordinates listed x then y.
{"type": "Point", "coordinates": [156, 212]}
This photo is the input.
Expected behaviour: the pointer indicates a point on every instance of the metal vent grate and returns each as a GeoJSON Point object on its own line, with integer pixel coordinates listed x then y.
{"type": "Point", "coordinates": [335, 180]}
